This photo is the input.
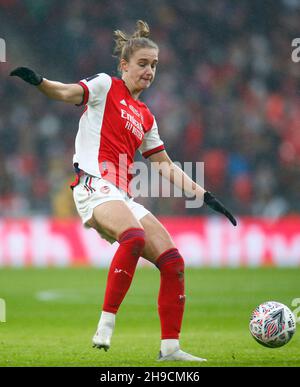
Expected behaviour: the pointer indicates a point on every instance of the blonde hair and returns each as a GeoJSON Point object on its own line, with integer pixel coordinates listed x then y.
{"type": "Point", "coordinates": [127, 45]}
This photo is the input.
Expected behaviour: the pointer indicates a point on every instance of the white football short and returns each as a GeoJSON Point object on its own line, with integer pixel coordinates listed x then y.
{"type": "Point", "coordinates": [92, 191]}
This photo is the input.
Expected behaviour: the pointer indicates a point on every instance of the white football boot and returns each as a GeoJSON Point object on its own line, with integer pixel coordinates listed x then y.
{"type": "Point", "coordinates": [179, 355]}
{"type": "Point", "coordinates": [104, 331]}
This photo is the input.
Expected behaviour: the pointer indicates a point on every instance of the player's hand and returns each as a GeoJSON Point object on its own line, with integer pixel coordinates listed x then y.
{"type": "Point", "coordinates": [27, 75]}
{"type": "Point", "coordinates": [216, 205]}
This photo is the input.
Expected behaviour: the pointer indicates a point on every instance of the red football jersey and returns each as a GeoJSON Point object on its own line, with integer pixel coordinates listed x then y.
{"type": "Point", "coordinates": [112, 127]}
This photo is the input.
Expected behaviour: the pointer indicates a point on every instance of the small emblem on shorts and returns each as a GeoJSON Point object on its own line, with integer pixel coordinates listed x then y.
{"type": "Point", "coordinates": [105, 189]}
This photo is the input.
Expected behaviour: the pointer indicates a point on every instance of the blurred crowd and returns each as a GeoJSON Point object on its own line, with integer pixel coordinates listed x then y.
{"type": "Point", "coordinates": [226, 93]}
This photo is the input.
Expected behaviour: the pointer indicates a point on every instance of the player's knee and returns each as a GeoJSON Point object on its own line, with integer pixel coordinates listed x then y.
{"type": "Point", "coordinates": [134, 237]}
{"type": "Point", "coordinates": [171, 262]}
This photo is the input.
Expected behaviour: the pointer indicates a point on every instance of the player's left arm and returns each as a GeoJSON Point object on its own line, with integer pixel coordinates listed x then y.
{"type": "Point", "coordinates": [178, 177]}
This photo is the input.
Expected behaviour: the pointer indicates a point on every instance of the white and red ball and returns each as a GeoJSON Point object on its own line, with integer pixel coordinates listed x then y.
{"type": "Point", "coordinates": [272, 324]}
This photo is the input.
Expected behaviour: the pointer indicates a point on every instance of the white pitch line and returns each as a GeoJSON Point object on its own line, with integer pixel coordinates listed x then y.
{"type": "Point", "coordinates": [60, 295]}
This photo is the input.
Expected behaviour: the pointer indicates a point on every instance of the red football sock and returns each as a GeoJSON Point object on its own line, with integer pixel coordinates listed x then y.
{"type": "Point", "coordinates": [122, 268]}
{"type": "Point", "coordinates": [171, 298]}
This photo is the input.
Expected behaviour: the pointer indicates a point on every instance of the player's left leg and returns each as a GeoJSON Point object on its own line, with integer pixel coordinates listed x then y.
{"type": "Point", "coordinates": [160, 249]}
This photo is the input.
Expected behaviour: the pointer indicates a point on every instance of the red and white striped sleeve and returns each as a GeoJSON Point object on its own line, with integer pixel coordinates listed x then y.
{"type": "Point", "coordinates": [95, 88]}
{"type": "Point", "coordinates": [152, 142]}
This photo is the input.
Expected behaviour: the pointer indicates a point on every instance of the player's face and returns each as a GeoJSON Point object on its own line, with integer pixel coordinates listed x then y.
{"type": "Point", "coordinates": [141, 68]}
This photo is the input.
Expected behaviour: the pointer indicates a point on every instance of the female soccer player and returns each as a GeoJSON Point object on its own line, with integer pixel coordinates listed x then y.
{"type": "Point", "coordinates": [115, 124]}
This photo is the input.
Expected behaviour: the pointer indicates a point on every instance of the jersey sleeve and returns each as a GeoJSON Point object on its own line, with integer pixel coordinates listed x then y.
{"type": "Point", "coordinates": [95, 88]}
{"type": "Point", "coordinates": [152, 142]}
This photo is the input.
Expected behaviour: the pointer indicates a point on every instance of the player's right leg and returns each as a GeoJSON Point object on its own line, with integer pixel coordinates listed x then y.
{"type": "Point", "coordinates": [102, 206]}
{"type": "Point", "coordinates": [115, 219]}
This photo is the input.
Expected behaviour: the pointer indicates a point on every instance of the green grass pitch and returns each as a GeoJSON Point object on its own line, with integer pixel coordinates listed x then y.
{"type": "Point", "coordinates": [51, 315]}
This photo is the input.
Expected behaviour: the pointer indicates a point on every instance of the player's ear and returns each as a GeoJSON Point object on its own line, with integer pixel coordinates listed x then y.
{"type": "Point", "coordinates": [123, 65]}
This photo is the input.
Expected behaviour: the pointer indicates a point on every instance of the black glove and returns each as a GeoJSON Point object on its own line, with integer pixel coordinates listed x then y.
{"type": "Point", "coordinates": [214, 203]}
{"type": "Point", "coordinates": [27, 75]}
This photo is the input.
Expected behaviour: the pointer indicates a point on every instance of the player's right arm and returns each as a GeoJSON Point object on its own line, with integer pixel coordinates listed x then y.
{"type": "Point", "coordinates": [66, 92]}
{"type": "Point", "coordinates": [70, 93]}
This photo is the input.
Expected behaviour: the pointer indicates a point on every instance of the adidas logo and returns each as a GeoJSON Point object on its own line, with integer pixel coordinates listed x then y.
{"type": "Point", "coordinates": [123, 102]}
{"type": "Point", "coordinates": [117, 271]}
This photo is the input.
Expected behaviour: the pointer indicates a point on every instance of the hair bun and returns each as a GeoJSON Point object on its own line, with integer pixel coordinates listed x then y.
{"type": "Point", "coordinates": [142, 30]}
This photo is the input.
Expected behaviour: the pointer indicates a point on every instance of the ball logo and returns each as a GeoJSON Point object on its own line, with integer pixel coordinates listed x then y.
{"type": "Point", "coordinates": [105, 189]}
{"type": "Point", "coordinates": [274, 324]}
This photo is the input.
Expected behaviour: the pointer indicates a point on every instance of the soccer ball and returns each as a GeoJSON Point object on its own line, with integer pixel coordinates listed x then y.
{"type": "Point", "coordinates": [272, 324]}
